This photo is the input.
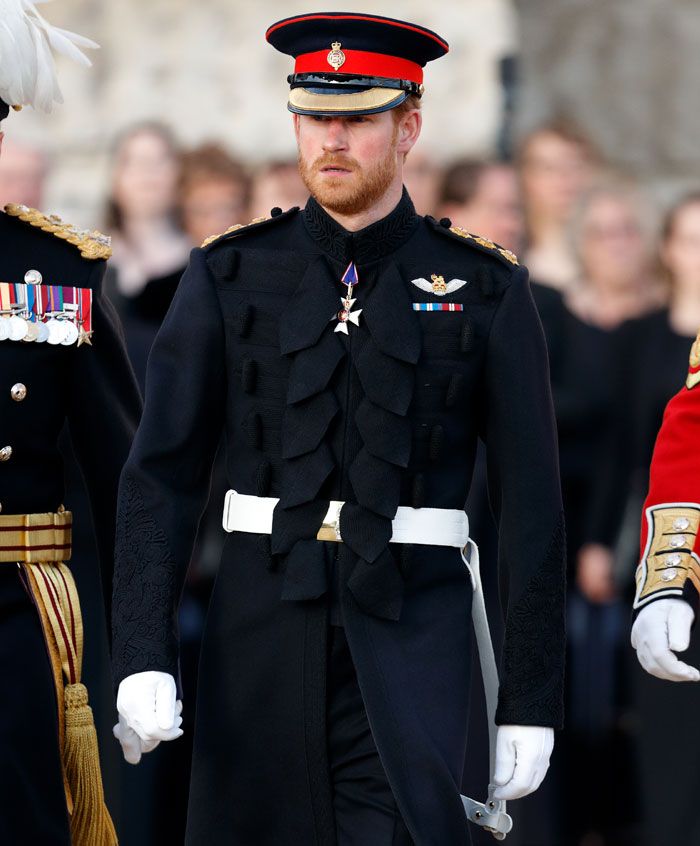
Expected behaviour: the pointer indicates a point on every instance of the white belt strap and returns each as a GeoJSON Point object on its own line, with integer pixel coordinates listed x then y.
{"type": "Point", "coordinates": [429, 526]}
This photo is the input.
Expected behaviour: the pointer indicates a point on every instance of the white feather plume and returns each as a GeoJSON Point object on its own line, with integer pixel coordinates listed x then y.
{"type": "Point", "coordinates": [27, 44]}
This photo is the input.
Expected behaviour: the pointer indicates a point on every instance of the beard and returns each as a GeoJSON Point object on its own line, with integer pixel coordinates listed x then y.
{"type": "Point", "coordinates": [349, 195]}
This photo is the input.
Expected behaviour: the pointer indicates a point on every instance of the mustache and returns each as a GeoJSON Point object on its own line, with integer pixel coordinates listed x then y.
{"type": "Point", "coordinates": [335, 161]}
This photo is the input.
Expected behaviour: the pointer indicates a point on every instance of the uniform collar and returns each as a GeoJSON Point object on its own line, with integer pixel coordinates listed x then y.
{"type": "Point", "coordinates": [369, 244]}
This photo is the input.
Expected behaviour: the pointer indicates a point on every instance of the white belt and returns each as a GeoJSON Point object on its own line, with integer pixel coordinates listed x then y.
{"type": "Point", "coordinates": [429, 526]}
{"type": "Point", "coordinates": [432, 527]}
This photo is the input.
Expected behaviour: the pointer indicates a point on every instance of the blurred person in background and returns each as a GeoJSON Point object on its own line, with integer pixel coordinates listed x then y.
{"type": "Point", "coordinates": [612, 233]}
{"type": "Point", "coordinates": [651, 366]}
{"type": "Point", "coordinates": [557, 162]}
{"type": "Point", "coordinates": [150, 254]}
{"type": "Point", "coordinates": [484, 198]}
{"type": "Point", "coordinates": [277, 184]}
{"type": "Point", "coordinates": [214, 192]}
{"type": "Point", "coordinates": [422, 178]}
{"type": "Point", "coordinates": [23, 170]}
{"type": "Point", "coordinates": [150, 248]}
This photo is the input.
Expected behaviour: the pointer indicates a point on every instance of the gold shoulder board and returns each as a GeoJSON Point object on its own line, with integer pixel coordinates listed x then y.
{"type": "Point", "coordinates": [484, 242]}
{"type": "Point", "coordinates": [91, 243]}
{"type": "Point", "coordinates": [234, 228]}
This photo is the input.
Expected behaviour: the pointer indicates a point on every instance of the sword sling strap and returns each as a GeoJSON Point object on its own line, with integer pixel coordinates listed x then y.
{"type": "Point", "coordinates": [53, 589]}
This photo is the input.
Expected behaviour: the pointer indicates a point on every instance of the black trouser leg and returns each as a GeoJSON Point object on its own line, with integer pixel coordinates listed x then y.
{"type": "Point", "coordinates": [32, 799]}
{"type": "Point", "coordinates": [365, 811]}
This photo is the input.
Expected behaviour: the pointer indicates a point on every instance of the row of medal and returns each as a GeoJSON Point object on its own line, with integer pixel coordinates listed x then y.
{"type": "Point", "coordinates": [52, 314]}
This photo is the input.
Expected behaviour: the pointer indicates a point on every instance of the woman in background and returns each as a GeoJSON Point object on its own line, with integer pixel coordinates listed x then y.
{"type": "Point", "coordinates": [150, 250]}
{"type": "Point", "coordinates": [557, 163]}
{"type": "Point", "coordinates": [612, 236]}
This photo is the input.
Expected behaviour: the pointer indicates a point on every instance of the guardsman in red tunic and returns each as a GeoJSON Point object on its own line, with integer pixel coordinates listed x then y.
{"type": "Point", "coordinates": [668, 575]}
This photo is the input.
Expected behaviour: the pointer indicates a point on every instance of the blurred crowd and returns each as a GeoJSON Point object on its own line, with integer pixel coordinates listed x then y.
{"type": "Point", "coordinates": [617, 283]}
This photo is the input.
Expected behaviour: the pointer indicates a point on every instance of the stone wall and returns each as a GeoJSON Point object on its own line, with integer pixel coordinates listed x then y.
{"type": "Point", "coordinates": [204, 67]}
{"type": "Point", "coordinates": [625, 70]}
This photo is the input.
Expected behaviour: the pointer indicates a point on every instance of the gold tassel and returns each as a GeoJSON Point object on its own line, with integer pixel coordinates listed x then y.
{"type": "Point", "coordinates": [90, 824]}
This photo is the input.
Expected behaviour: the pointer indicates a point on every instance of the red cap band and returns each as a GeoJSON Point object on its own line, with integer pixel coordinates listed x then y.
{"type": "Point", "coordinates": [361, 63]}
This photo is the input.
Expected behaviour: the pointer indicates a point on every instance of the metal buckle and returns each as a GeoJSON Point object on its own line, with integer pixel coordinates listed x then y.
{"type": "Point", "coordinates": [330, 528]}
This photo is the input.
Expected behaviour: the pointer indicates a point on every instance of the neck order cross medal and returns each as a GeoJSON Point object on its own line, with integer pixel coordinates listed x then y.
{"type": "Point", "coordinates": [345, 315]}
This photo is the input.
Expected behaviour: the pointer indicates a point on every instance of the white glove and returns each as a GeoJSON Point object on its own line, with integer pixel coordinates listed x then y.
{"type": "Point", "coordinates": [522, 760]}
{"type": "Point", "coordinates": [148, 713]}
{"type": "Point", "coordinates": [662, 628]}
{"type": "Point", "coordinates": [132, 745]}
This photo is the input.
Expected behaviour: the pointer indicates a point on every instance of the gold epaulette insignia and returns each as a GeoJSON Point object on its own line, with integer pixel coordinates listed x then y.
{"type": "Point", "coordinates": [484, 242]}
{"type": "Point", "coordinates": [234, 228]}
{"type": "Point", "coordinates": [91, 243]}
{"type": "Point", "coordinates": [693, 378]}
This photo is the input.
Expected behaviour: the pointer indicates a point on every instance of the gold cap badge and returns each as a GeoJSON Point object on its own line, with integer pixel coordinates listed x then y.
{"type": "Point", "coordinates": [336, 57]}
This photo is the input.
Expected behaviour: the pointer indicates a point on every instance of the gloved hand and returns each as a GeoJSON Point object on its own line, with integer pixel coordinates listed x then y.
{"type": "Point", "coordinates": [662, 628]}
{"type": "Point", "coordinates": [148, 713]}
{"type": "Point", "coordinates": [522, 760]}
{"type": "Point", "coordinates": [132, 745]}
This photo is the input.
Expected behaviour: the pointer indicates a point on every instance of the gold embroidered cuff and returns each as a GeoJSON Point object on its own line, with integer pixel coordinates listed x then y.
{"type": "Point", "coordinates": [668, 561]}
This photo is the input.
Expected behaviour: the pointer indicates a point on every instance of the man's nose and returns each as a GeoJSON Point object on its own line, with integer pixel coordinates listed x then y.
{"type": "Point", "coordinates": [336, 136]}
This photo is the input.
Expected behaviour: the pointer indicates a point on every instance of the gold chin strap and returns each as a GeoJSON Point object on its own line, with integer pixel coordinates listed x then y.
{"type": "Point", "coordinates": [29, 537]}
{"type": "Point", "coordinates": [669, 560]}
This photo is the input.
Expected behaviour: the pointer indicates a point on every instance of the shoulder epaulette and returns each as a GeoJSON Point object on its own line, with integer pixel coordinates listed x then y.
{"type": "Point", "coordinates": [256, 223]}
{"type": "Point", "coordinates": [477, 241]}
{"type": "Point", "coordinates": [91, 243]}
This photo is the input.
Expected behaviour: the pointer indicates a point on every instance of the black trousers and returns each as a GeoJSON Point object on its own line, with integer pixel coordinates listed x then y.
{"type": "Point", "coordinates": [32, 800]}
{"type": "Point", "coordinates": [365, 811]}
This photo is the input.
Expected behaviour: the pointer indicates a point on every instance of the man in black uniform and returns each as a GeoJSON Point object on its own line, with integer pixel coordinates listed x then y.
{"type": "Point", "coordinates": [62, 360]}
{"type": "Point", "coordinates": [353, 353]}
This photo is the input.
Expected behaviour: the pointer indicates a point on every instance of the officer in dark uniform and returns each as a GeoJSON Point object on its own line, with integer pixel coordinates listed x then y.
{"type": "Point", "coordinates": [62, 360]}
{"type": "Point", "coordinates": [352, 352]}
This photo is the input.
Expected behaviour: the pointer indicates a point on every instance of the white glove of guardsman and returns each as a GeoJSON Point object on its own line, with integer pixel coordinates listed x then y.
{"type": "Point", "coordinates": [522, 760]}
{"type": "Point", "coordinates": [149, 711]}
{"type": "Point", "coordinates": [662, 628]}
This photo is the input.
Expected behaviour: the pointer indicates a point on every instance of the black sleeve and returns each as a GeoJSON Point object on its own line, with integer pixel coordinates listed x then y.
{"type": "Point", "coordinates": [165, 482]}
{"type": "Point", "coordinates": [104, 405]}
{"type": "Point", "coordinates": [525, 493]}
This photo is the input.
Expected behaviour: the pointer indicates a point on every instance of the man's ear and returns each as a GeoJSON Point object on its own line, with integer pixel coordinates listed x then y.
{"type": "Point", "coordinates": [296, 122]}
{"type": "Point", "coordinates": [2, 135]}
{"type": "Point", "coordinates": [409, 130]}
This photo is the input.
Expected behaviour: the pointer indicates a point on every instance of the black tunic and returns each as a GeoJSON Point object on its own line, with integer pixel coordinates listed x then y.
{"type": "Point", "coordinates": [386, 416]}
{"type": "Point", "coordinates": [92, 389]}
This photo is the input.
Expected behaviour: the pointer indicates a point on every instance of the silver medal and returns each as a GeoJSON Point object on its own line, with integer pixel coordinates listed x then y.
{"type": "Point", "coordinates": [4, 328]}
{"type": "Point", "coordinates": [71, 333]}
{"type": "Point", "coordinates": [18, 328]}
{"type": "Point", "coordinates": [42, 333]}
{"type": "Point", "coordinates": [57, 331]}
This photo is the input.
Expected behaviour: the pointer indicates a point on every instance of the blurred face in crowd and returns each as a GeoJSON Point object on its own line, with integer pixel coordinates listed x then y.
{"type": "Point", "coordinates": [212, 205]}
{"type": "Point", "coordinates": [278, 185]}
{"type": "Point", "coordinates": [681, 249]}
{"type": "Point", "coordinates": [614, 245]}
{"type": "Point", "coordinates": [422, 180]}
{"type": "Point", "coordinates": [494, 210]}
{"type": "Point", "coordinates": [145, 175]}
{"type": "Point", "coordinates": [349, 163]}
{"type": "Point", "coordinates": [554, 172]}
{"type": "Point", "coordinates": [22, 174]}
